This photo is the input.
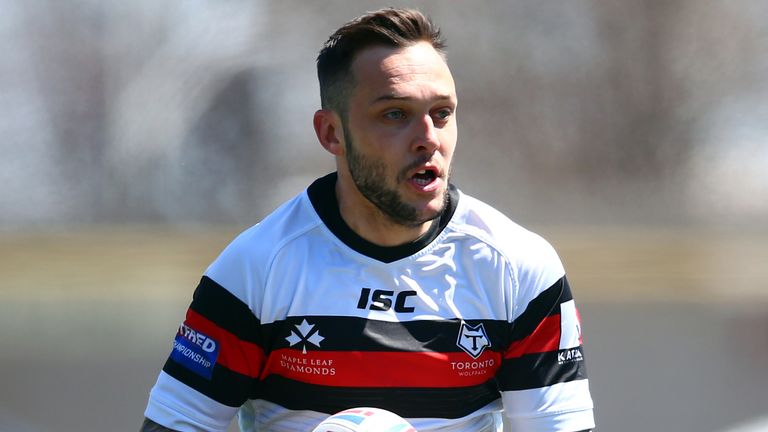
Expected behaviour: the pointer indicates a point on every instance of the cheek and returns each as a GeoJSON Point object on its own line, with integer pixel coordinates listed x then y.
{"type": "Point", "coordinates": [448, 140]}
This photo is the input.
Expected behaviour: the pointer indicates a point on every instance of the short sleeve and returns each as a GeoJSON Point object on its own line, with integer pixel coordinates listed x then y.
{"type": "Point", "coordinates": [543, 377]}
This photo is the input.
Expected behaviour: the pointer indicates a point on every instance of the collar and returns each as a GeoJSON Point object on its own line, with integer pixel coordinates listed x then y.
{"type": "Point", "coordinates": [322, 195]}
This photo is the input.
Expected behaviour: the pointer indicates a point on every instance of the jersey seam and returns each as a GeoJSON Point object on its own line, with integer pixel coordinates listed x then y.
{"type": "Point", "coordinates": [511, 269]}
{"type": "Point", "coordinates": [286, 240]}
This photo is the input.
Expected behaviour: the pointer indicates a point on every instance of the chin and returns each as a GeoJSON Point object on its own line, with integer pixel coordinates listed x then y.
{"type": "Point", "coordinates": [433, 210]}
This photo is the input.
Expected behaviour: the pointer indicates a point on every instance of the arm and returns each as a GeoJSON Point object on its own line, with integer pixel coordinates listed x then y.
{"type": "Point", "coordinates": [544, 366]}
{"type": "Point", "coordinates": [150, 426]}
{"type": "Point", "coordinates": [216, 354]}
{"type": "Point", "coordinates": [542, 376]}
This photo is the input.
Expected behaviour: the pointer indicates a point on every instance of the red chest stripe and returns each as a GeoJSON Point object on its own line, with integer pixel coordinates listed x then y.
{"type": "Point", "coordinates": [383, 369]}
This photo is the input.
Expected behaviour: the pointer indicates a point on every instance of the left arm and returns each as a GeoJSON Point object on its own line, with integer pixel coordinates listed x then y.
{"type": "Point", "coordinates": [542, 376]}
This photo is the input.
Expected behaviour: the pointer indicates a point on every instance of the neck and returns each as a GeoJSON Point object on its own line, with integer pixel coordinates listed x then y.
{"type": "Point", "coordinates": [369, 222]}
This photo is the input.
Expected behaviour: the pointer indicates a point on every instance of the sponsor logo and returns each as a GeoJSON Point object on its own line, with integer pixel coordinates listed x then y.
{"type": "Point", "coordinates": [570, 326]}
{"type": "Point", "coordinates": [304, 335]}
{"type": "Point", "coordinates": [570, 355]}
{"type": "Point", "coordinates": [307, 335]}
{"type": "Point", "coordinates": [308, 366]}
{"type": "Point", "coordinates": [204, 342]}
{"type": "Point", "coordinates": [473, 340]}
{"type": "Point", "coordinates": [195, 351]}
{"type": "Point", "coordinates": [381, 300]}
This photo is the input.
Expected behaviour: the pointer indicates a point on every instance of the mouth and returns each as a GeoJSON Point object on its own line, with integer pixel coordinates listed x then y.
{"type": "Point", "coordinates": [424, 177]}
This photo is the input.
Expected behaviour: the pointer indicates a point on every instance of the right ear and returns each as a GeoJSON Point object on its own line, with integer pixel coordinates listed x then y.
{"type": "Point", "coordinates": [329, 131]}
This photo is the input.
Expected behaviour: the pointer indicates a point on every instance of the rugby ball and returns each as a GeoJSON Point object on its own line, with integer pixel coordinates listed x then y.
{"type": "Point", "coordinates": [364, 420]}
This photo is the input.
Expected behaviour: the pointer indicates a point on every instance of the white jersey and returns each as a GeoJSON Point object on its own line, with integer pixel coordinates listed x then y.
{"type": "Point", "coordinates": [468, 327]}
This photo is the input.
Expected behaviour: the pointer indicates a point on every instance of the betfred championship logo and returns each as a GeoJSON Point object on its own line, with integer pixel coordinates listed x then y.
{"type": "Point", "coordinates": [195, 351]}
{"type": "Point", "coordinates": [473, 340]}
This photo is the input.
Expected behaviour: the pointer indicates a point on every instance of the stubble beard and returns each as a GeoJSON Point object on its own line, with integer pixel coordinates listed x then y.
{"type": "Point", "coordinates": [369, 177]}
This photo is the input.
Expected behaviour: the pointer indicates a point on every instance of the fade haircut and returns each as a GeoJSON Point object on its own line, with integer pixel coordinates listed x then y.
{"type": "Point", "coordinates": [396, 28]}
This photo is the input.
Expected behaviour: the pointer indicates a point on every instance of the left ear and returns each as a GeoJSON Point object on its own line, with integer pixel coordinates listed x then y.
{"type": "Point", "coordinates": [329, 131]}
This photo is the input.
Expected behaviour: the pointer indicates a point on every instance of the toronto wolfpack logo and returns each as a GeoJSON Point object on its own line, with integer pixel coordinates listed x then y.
{"type": "Point", "coordinates": [307, 335]}
{"type": "Point", "coordinates": [473, 340]}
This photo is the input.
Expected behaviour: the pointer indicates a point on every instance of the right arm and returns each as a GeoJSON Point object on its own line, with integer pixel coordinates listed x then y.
{"type": "Point", "coordinates": [217, 353]}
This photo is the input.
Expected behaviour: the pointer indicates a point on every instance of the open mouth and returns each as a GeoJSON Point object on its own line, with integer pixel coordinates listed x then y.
{"type": "Point", "coordinates": [424, 177]}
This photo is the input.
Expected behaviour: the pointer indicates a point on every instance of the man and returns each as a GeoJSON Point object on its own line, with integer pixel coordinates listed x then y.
{"type": "Point", "coordinates": [382, 284]}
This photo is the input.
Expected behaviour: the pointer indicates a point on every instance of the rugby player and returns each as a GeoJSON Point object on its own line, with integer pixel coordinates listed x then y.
{"type": "Point", "coordinates": [381, 284]}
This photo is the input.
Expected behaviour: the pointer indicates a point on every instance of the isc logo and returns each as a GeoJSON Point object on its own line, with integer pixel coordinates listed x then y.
{"type": "Point", "coordinates": [381, 300]}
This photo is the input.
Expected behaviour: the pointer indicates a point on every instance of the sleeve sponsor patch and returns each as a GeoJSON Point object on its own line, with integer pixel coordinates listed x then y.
{"type": "Point", "coordinates": [570, 326]}
{"type": "Point", "coordinates": [570, 334]}
{"type": "Point", "coordinates": [195, 351]}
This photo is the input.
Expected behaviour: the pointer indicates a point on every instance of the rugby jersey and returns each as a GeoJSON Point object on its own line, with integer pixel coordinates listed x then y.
{"type": "Point", "coordinates": [469, 327]}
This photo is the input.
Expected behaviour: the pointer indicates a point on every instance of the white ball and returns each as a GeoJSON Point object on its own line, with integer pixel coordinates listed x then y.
{"type": "Point", "coordinates": [364, 420]}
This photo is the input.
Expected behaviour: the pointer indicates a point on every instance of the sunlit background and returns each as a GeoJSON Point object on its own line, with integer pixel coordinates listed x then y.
{"type": "Point", "coordinates": [138, 137]}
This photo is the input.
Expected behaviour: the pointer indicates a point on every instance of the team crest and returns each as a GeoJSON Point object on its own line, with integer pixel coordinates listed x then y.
{"type": "Point", "coordinates": [473, 340]}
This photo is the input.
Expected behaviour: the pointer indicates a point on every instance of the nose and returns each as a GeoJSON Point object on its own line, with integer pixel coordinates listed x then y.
{"type": "Point", "coordinates": [425, 137]}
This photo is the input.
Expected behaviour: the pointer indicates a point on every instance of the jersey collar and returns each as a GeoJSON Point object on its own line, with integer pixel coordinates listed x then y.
{"type": "Point", "coordinates": [323, 197]}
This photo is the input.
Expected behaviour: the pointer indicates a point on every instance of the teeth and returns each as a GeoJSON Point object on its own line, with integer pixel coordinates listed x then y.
{"type": "Point", "coordinates": [422, 172]}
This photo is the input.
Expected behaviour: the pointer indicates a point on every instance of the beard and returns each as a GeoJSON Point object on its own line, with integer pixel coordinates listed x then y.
{"type": "Point", "coordinates": [369, 175]}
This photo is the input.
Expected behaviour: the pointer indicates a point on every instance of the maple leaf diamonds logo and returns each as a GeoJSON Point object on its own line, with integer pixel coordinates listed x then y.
{"type": "Point", "coordinates": [307, 335]}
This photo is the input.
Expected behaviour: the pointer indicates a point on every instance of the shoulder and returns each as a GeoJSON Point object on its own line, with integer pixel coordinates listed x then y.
{"type": "Point", "coordinates": [532, 259]}
{"type": "Point", "coordinates": [519, 244]}
{"type": "Point", "coordinates": [292, 219]}
{"type": "Point", "coordinates": [248, 256]}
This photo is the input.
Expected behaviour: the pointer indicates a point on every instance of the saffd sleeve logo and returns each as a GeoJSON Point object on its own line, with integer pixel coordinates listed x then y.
{"type": "Point", "coordinates": [195, 351]}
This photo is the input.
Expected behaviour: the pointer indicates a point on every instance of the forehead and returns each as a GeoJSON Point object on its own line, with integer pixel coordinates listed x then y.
{"type": "Point", "coordinates": [414, 71]}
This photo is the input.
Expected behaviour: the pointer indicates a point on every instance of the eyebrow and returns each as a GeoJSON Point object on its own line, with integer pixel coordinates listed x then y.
{"type": "Point", "coordinates": [392, 97]}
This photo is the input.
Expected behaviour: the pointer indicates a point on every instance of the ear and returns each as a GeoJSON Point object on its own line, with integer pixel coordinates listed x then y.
{"type": "Point", "coordinates": [329, 131]}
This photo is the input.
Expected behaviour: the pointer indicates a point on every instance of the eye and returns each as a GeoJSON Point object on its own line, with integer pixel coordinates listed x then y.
{"type": "Point", "coordinates": [443, 113]}
{"type": "Point", "coordinates": [395, 115]}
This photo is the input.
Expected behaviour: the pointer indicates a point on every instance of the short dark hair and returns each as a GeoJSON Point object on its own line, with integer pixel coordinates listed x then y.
{"type": "Point", "coordinates": [386, 27]}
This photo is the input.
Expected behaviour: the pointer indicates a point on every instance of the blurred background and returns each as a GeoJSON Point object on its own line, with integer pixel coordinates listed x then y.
{"type": "Point", "coordinates": [138, 138]}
